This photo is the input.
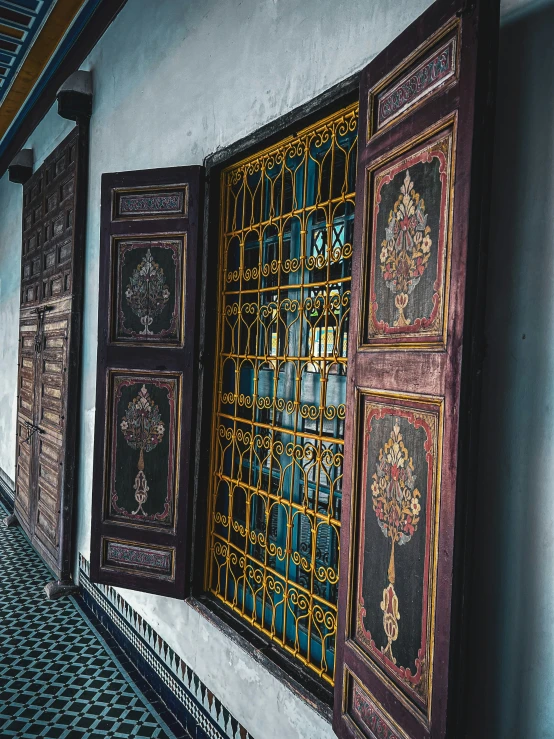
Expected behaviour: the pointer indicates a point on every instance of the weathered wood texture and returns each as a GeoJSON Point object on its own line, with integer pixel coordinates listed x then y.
{"type": "Point", "coordinates": [54, 212]}
{"type": "Point", "coordinates": [146, 379]}
{"type": "Point", "coordinates": [414, 356]}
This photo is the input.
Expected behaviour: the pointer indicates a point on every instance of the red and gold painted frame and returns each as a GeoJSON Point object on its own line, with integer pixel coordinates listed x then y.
{"type": "Point", "coordinates": [429, 331]}
{"type": "Point", "coordinates": [441, 368]}
{"type": "Point", "coordinates": [425, 413]}
{"type": "Point", "coordinates": [424, 329]}
{"type": "Point", "coordinates": [423, 74]}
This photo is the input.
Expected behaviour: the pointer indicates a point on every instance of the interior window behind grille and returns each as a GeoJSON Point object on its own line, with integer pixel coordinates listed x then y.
{"type": "Point", "coordinates": [277, 437]}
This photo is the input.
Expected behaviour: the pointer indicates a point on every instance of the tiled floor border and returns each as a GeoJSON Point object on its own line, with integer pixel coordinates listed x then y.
{"type": "Point", "coordinates": [76, 705]}
{"type": "Point", "coordinates": [7, 490]}
{"type": "Point", "coordinates": [178, 686]}
{"type": "Point", "coordinates": [156, 708]}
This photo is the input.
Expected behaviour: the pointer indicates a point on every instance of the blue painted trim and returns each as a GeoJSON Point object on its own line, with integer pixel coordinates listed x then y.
{"type": "Point", "coordinates": [31, 33]}
{"type": "Point", "coordinates": [63, 49]}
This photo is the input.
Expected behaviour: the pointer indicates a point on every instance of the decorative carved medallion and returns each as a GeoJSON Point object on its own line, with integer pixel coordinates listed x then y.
{"type": "Point", "coordinates": [143, 449]}
{"type": "Point", "coordinates": [395, 591]}
{"type": "Point", "coordinates": [410, 247]}
{"type": "Point", "coordinates": [149, 291]}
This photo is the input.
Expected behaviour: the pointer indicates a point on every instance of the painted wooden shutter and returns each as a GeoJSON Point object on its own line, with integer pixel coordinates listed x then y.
{"type": "Point", "coordinates": [145, 378]}
{"type": "Point", "coordinates": [423, 172]}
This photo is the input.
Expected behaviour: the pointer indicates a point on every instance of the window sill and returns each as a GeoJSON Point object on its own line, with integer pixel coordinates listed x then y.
{"type": "Point", "coordinates": [307, 687]}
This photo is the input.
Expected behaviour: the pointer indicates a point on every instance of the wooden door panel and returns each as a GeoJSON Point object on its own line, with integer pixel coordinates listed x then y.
{"type": "Point", "coordinates": [25, 416]}
{"type": "Point", "coordinates": [136, 319]}
{"type": "Point", "coordinates": [144, 441]}
{"type": "Point", "coordinates": [46, 529]}
{"type": "Point", "coordinates": [23, 471]}
{"type": "Point", "coordinates": [51, 303]}
{"type": "Point", "coordinates": [145, 378]}
{"type": "Point", "coordinates": [409, 198]}
{"type": "Point", "coordinates": [395, 584]}
{"type": "Point", "coordinates": [417, 276]}
{"type": "Point", "coordinates": [51, 404]}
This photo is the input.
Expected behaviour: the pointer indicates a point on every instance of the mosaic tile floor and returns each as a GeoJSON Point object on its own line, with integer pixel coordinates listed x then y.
{"type": "Point", "coordinates": [58, 678]}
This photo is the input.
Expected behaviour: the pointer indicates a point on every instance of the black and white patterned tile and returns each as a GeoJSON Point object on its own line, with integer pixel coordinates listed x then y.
{"type": "Point", "coordinates": [58, 677]}
{"type": "Point", "coordinates": [178, 685]}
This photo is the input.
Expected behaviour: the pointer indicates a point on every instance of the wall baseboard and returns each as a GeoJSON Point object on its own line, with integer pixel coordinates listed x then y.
{"type": "Point", "coordinates": [7, 490]}
{"type": "Point", "coordinates": [175, 683]}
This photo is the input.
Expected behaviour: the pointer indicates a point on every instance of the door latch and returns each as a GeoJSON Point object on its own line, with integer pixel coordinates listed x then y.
{"type": "Point", "coordinates": [32, 428]}
{"type": "Point", "coordinates": [39, 336]}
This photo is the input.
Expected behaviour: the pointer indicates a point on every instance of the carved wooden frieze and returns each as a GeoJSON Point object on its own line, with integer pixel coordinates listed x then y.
{"type": "Point", "coordinates": [150, 203]}
{"type": "Point", "coordinates": [144, 440]}
{"type": "Point", "coordinates": [149, 291]}
{"type": "Point", "coordinates": [398, 504]}
{"type": "Point", "coordinates": [367, 714]}
{"type": "Point", "coordinates": [436, 68]}
{"type": "Point", "coordinates": [410, 246]}
{"type": "Point", "coordinates": [138, 558]}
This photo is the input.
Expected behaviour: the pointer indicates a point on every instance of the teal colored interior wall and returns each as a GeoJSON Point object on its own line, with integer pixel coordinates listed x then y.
{"type": "Point", "coordinates": [512, 672]}
{"type": "Point", "coordinates": [10, 264]}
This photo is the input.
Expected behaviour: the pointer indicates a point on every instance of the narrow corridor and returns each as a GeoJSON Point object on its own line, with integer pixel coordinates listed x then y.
{"type": "Point", "coordinates": [58, 676]}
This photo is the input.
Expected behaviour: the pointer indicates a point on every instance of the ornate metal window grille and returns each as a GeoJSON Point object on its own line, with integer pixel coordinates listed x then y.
{"type": "Point", "coordinates": [277, 436]}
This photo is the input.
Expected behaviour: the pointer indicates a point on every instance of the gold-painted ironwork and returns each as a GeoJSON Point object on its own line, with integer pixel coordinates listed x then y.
{"type": "Point", "coordinates": [277, 437]}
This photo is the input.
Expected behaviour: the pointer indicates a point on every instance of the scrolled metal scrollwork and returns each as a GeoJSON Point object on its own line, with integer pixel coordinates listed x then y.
{"type": "Point", "coordinates": [277, 439]}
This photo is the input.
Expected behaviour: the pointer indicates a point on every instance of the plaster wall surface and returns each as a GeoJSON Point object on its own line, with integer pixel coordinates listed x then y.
{"type": "Point", "coordinates": [11, 200]}
{"type": "Point", "coordinates": [512, 669]}
{"type": "Point", "coordinates": [173, 82]}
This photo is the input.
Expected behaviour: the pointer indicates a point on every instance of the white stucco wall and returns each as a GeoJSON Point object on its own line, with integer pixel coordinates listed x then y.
{"type": "Point", "coordinates": [173, 81]}
{"type": "Point", "coordinates": [11, 201]}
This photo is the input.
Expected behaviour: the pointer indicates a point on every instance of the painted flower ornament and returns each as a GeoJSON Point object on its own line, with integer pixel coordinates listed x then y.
{"type": "Point", "coordinates": [147, 293]}
{"type": "Point", "coordinates": [143, 429]}
{"type": "Point", "coordinates": [406, 248]}
{"type": "Point", "coordinates": [397, 507]}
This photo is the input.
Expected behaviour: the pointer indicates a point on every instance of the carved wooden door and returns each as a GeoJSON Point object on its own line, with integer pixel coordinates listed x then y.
{"type": "Point", "coordinates": [145, 379]}
{"type": "Point", "coordinates": [50, 324]}
{"type": "Point", "coordinates": [414, 358]}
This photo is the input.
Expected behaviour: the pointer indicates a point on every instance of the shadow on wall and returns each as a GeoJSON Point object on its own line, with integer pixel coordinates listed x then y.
{"type": "Point", "coordinates": [511, 680]}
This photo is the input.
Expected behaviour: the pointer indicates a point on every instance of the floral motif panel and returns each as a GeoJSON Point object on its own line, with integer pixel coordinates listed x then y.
{"type": "Point", "coordinates": [149, 291]}
{"type": "Point", "coordinates": [410, 246]}
{"type": "Point", "coordinates": [142, 464]}
{"type": "Point", "coordinates": [398, 507]}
